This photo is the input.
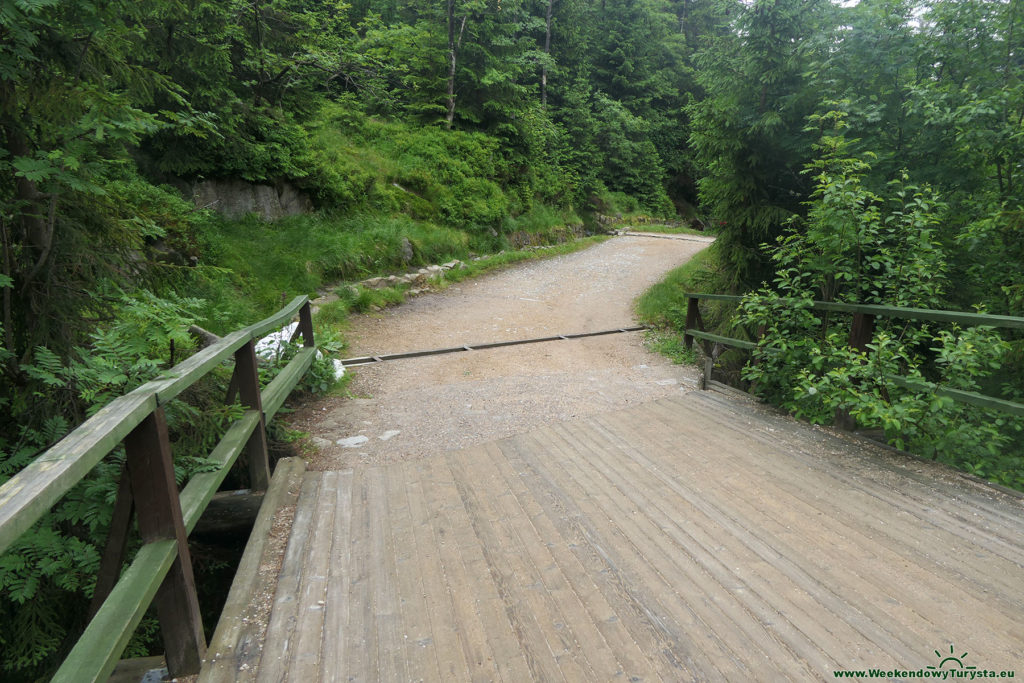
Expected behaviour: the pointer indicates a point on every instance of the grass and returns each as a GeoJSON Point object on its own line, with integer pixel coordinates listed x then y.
{"type": "Point", "coordinates": [664, 305]}
{"type": "Point", "coordinates": [257, 264]}
{"type": "Point", "coordinates": [670, 345]}
{"type": "Point", "coordinates": [669, 230]}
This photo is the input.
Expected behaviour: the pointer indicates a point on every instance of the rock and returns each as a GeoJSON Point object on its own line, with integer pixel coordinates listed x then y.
{"type": "Point", "coordinates": [407, 252]}
{"type": "Point", "coordinates": [353, 441]}
{"type": "Point", "coordinates": [235, 198]}
{"type": "Point", "coordinates": [374, 283]}
{"type": "Point", "coordinates": [393, 280]}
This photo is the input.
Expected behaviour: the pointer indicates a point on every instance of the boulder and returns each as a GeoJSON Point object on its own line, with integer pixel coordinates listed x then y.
{"type": "Point", "coordinates": [407, 251]}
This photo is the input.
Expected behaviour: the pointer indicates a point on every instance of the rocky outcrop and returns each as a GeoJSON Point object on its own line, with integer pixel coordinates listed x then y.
{"type": "Point", "coordinates": [236, 198]}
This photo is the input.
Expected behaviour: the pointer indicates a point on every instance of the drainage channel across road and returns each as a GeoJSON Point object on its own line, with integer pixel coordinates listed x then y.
{"type": "Point", "coordinates": [366, 360]}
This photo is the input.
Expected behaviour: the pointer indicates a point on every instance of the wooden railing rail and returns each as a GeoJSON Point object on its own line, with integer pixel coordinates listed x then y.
{"type": "Point", "coordinates": [861, 330]}
{"type": "Point", "coordinates": [161, 571]}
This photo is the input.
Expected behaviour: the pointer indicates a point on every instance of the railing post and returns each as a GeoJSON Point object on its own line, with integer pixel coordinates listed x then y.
{"type": "Point", "coordinates": [861, 331]}
{"type": "Point", "coordinates": [306, 325]}
{"type": "Point", "coordinates": [692, 316]}
{"type": "Point", "coordinates": [247, 378]}
{"type": "Point", "coordinates": [149, 466]}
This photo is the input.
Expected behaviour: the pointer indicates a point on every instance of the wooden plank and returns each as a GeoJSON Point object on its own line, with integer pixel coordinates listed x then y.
{"type": "Point", "coordinates": [232, 641]}
{"type": "Point", "coordinates": [277, 391]}
{"type": "Point", "coordinates": [201, 487]}
{"type": "Point", "coordinates": [276, 321]}
{"type": "Point", "coordinates": [390, 660]}
{"type": "Point", "coordinates": [99, 649]}
{"type": "Point", "coordinates": [706, 635]}
{"type": "Point", "coordinates": [437, 591]}
{"type": "Point", "coordinates": [280, 640]}
{"type": "Point", "coordinates": [637, 593]}
{"type": "Point", "coordinates": [312, 598]}
{"type": "Point", "coordinates": [911, 594]}
{"type": "Point", "coordinates": [743, 580]}
{"type": "Point", "coordinates": [958, 395]}
{"type": "Point", "coordinates": [713, 297]}
{"type": "Point", "coordinates": [420, 649]}
{"type": "Point", "coordinates": [334, 657]}
{"type": "Point", "coordinates": [467, 588]}
{"type": "Point", "coordinates": [360, 637]}
{"type": "Point", "coordinates": [864, 472]}
{"type": "Point", "coordinates": [117, 544]}
{"type": "Point", "coordinates": [478, 582]}
{"type": "Point", "coordinates": [247, 378]}
{"type": "Point", "coordinates": [28, 495]}
{"type": "Point", "coordinates": [518, 582]}
{"type": "Point", "coordinates": [896, 531]}
{"type": "Point", "coordinates": [158, 511]}
{"type": "Point", "coordinates": [631, 662]}
{"type": "Point", "coordinates": [959, 317]}
{"type": "Point", "coordinates": [728, 341]}
{"type": "Point", "coordinates": [574, 628]}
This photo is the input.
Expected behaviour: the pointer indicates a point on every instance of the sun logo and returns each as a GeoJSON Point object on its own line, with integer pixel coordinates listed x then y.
{"type": "Point", "coordinates": [951, 660]}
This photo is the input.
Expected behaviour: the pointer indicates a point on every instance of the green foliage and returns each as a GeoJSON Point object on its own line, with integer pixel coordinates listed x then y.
{"type": "Point", "coordinates": [748, 133]}
{"type": "Point", "coordinates": [47, 577]}
{"type": "Point", "coordinates": [259, 264]}
{"type": "Point", "coordinates": [859, 247]}
{"type": "Point", "coordinates": [671, 346]}
{"type": "Point", "coordinates": [664, 304]}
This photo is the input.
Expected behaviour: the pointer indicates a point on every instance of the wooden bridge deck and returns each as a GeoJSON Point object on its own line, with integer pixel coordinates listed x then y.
{"type": "Point", "coordinates": [695, 538]}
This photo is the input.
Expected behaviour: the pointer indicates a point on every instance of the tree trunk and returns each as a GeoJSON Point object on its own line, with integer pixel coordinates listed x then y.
{"type": "Point", "coordinates": [33, 216]}
{"type": "Point", "coordinates": [547, 52]}
{"type": "Point", "coordinates": [454, 43]}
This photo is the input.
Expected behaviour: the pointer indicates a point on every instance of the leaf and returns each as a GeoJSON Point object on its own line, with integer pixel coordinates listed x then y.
{"type": "Point", "coordinates": [34, 169]}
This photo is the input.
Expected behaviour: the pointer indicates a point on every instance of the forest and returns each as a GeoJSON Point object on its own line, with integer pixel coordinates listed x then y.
{"type": "Point", "coordinates": [866, 152]}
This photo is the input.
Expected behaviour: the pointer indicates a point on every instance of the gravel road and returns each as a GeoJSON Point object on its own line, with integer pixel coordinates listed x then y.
{"type": "Point", "coordinates": [417, 407]}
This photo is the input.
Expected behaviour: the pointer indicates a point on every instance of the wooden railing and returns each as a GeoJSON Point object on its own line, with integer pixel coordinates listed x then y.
{"type": "Point", "coordinates": [861, 330]}
{"type": "Point", "coordinates": [161, 571]}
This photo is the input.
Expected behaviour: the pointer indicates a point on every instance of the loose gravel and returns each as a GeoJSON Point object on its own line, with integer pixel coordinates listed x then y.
{"type": "Point", "coordinates": [418, 407]}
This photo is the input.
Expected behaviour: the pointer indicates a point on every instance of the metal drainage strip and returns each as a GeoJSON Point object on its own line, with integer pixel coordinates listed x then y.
{"type": "Point", "coordinates": [367, 360]}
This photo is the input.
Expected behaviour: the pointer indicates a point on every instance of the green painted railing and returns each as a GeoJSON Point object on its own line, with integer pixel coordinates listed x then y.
{"type": "Point", "coordinates": [161, 571]}
{"type": "Point", "coordinates": [863, 325]}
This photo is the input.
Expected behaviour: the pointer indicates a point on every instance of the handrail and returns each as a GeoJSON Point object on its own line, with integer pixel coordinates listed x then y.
{"type": "Point", "coordinates": [164, 516]}
{"type": "Point", "coordinates": [860, 335]}
{"type": "Point", "coordinates": [962, 317]}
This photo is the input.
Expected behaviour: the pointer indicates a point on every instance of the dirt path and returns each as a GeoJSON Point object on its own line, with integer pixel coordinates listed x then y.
{"type": "Point", "coordinates": [422, 406]}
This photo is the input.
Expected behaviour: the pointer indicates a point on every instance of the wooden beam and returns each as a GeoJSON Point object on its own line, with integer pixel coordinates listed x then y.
{"type": "Point", "coordinates": [148, 457]}
{"type": "Point", "coordinates": [247, 379]}
{"type": "Point", "coordinates": [692, 315]}
{"type": "Point", "coordinates": [99, 649]}
{"type": "Point", "coordinates": [277, 391]}
{"type": "Point", "coordinates": [117, 542]}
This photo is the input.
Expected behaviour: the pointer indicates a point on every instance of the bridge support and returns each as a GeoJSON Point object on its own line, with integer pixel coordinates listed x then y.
{"type": "Point", "coordinates": [158, 509]}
